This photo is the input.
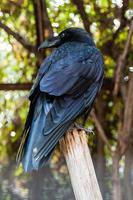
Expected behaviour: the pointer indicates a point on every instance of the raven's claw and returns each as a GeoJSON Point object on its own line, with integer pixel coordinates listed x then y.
{"type": "Point", "coordinates": [81, 128]}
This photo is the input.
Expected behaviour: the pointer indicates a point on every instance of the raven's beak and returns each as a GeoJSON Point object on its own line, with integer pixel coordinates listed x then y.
{"type": "Point", "coordinates": [52, 42]}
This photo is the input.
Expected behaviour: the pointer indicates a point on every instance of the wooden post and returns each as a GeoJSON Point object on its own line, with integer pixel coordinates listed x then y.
{"type": "Point", "coordinates": [82, 174]}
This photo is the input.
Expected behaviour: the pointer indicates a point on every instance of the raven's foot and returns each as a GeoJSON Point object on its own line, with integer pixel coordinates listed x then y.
{"type": "Point", "coordinates": [81, 128]}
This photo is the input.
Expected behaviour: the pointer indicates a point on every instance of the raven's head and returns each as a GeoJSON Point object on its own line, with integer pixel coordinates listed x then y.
{"type": "Point", "coordinates": [68, 35]}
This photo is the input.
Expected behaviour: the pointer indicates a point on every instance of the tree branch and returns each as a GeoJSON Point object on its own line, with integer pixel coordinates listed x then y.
{"type": "Point", "coordinates": [47, 23]}
{"type": "Point", "coordinates": [15, 86]}
{"type": "Point", "coordinates": [19, 38]}
{"type": "Point", "coordinates": [107, 85]}
{"type": "Point", "coordinates": [80, 6]}
{"type": "Point", "coordinates": [124, 138]}
{"type": "Point", "coordinates": [39, 21]}
{"type": "Point", "coordinates": [121, 60]}
{"type": "Point", "coordinates": [100, 129]}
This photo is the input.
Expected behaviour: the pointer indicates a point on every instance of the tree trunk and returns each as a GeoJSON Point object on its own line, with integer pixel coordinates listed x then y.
{"type": "Point", "coordinates": [117, 193]}
{"type": "Point", "coordinates": [36, 191]}
{"type": "Point", "coordinates": [128, 173]}
{"type": "Point", "coordinates": [39, 26]}
{"type": "Point", "coordinates": [84, 182]}
{"type": "Point", "coordinates": [101, 165]}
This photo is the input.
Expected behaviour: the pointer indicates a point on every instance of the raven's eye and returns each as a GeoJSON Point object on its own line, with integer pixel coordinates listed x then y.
{"type": "Point", "coordinates": [63, 35]}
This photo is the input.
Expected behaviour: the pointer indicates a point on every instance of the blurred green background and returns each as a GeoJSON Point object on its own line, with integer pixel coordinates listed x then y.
{"type": "Point", "coordinates": [24, 24]}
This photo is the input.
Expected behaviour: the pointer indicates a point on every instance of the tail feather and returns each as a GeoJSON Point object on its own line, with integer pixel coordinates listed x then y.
{"type": "Point", "coordinates": [26, 129]}
{"type": "Point", "coordinates": [50, 144]}
{"type": "Point", "coordinates": [21, 147]}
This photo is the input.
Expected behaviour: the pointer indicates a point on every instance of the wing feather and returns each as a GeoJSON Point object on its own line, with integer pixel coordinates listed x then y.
{"type": "Point", "coordinates": [69, 80]}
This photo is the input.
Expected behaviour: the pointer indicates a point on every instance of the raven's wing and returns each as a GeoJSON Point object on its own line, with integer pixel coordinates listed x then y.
{"type": "Point", "coordinates": [71, 79]}
{"type": "Point", "coordinates": [75, 88]}
{"type": "Point", "coordinates": [42, 71]}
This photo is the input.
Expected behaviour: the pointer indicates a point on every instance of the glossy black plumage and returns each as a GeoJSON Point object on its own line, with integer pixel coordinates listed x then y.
{"type": "Point", "coordinates": [66, 86]}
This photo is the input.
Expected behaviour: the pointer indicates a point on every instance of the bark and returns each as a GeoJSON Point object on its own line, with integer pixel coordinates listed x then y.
{"type": "Point", "coordinates": [102, 141]}
{"type": "Point", "coordinates": [129, 107]}
{"type": "Point", "coordinates": [39, 26]}
{"type": "Point", "coordinates": [124, 140]}
{"type": "Point", "coordinates": [42, 21]}
{"type": "Point", "coordinates": [43, 26]}
{"type": "Point", "coordinates": [36, 190]}
{"type": "Point", "coordinates": [121, 60]}
{"type": "Point", "coordinates": [47, 23]}
{"type": "Point", "coordinates": [100, 129]}
{"type": "Point", "coordinates": [39, 21]}
{"type": "Point", "coordinates": [80, 166]}
{"type": "Point", "coordinates": [128, 173]}
{"type": "Point", "coordinates": [80, 7]}
{"type": "Point", "coordinates": [125, 137]}
{"type": "Point", "coordinates": [101, 165]}
{"type": "Point", "coordinates": [116, 192]}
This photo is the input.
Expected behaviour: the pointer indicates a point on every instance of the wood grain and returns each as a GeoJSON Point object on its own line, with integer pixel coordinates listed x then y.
{"type": "Point", "coordinates": [80, 166]}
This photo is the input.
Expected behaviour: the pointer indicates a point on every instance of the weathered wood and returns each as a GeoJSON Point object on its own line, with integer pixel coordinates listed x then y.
{"type": "Point", "coordinates": [80, 166]}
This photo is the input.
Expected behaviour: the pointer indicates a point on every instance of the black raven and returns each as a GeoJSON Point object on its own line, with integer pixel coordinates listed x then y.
{"type": "Point", "coordinates": [66, 86]}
